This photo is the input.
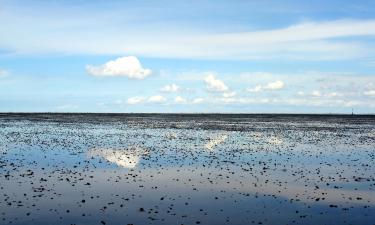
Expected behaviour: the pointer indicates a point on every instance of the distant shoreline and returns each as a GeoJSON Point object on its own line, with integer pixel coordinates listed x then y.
{"type": "Point", "coordinates": [198, 113]}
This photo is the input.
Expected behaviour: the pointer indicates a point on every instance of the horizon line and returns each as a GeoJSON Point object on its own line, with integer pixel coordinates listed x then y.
{"type": "Point", "coordinates": [197, 113]}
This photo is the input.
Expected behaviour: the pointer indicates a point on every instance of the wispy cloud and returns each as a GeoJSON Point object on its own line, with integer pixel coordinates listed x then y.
{"type": "Point", "coordinates": [121, 34]}
{"type": "Point", "coordinates": [129, 67]}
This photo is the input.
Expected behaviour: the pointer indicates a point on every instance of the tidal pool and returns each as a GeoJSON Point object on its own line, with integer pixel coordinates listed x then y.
{"type": "Point", "coordinates": [186, 169]}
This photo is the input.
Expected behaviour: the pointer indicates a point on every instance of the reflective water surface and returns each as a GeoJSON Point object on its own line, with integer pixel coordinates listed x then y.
{"type": "Point", "coordinates": [186, 169]}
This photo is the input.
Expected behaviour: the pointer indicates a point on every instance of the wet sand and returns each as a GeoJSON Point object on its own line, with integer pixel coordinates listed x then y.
{"type": "Point", "coordinates": [186, 169]}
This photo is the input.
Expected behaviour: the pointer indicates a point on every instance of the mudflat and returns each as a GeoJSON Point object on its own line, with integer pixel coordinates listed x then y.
{"type": "Point", "coordinates": [186, 169]}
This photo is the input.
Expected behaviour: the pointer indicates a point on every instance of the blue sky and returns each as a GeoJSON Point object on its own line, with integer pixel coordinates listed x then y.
{"type": "Point", "coordinates": [192, 56]}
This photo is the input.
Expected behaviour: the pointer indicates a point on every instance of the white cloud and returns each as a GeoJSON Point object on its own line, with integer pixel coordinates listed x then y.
{"type": "Point", "coordinates": [229, 94]}
{"type": "Point", "coordinates": [214, 84]}
{"type": "Point", "coordinates": [316, 93]}
{"type": "Point", "coordinates": [369, 93]}
{"type": "Point", "coordinates": [180, 100]}
{"type": "Point", "coordinates": [171, 88]}
{"type": "Point", "coordinates": [140, 99]}
{"type": "Point", "coordinates": [112, 31]}
{"type": "Point", "coordinates": [128, 158]}
{"type": "Point", "coordinates": [308, 89]}
{"type": "Point", "coordinates": [257, 88]}
{"type": "Point", "coordinates": [334, 94]}
{"type": "Point", "coordinates": [157, 99]}
{"type": "Point", "coordinates": [135, 100]}
{"type": "Point", "coordinates": [128, 66]}
{"type": "Point", "coordinates": [275, 85]}
{"type": "Point", "coordinates": [198, 101]}
{"type": "Point", "coordinates": [216, 141]}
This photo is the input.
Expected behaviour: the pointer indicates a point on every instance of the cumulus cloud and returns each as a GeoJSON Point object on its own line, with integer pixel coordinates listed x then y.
{"type": "Point", "coordinates": [180, 100]}
{"type": "Point", "coordinates": [128, 66]}
{"type": "Point", "coordinates": [157, 99]}
{"type": "Point", "coordinates": [277, 85]}
{"type": "Point", "coordinates": [214, 84]}
{"type": "Point", "coordinates": [171, 88]}
{"type": "Point", "coordinates": [135, 100]}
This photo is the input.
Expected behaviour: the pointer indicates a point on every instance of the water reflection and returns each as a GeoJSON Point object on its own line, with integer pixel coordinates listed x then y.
{"type": "Point", "coordinates": [275, 140]}
{"type": "Point", "coordinates": [219, 139]}
{"type": "Point", "coordinates": [126, 158]}
{"type": "Point", "coordinates": [255, 173]}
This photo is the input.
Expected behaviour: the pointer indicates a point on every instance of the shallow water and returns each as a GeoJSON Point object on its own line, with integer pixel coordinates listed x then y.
{"type": "Point", "coordinates": [186, 169]}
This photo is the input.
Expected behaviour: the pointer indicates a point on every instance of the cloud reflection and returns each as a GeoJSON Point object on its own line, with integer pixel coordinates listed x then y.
{"type": "Point", "coordinates": [127, 158]}
{"type": "Point", "coordinates": [211, 144]}
{"type": "Point", "coordinates": [275, 140]}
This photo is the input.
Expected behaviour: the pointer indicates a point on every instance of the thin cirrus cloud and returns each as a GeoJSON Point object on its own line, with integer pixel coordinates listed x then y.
{"type": "Point", "coordinates": [128, 66]}
{"type": "Point", "coordinates": [323, 40]}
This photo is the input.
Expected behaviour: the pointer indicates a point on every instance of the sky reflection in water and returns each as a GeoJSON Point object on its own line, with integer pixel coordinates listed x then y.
{"type": "Point", "coordinates": [187, 171]}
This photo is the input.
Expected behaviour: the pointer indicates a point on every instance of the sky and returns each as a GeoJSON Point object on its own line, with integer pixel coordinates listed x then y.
{"type": "Point", "coordinates": [203, 56]}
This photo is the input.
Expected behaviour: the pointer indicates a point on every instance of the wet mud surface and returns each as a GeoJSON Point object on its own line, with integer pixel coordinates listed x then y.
{"type": "Point", "coordinates": [186, 169]}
